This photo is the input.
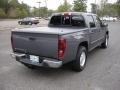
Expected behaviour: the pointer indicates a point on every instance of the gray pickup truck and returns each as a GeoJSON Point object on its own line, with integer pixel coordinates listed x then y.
{"type": "Point", "coordinates": [68, 38]}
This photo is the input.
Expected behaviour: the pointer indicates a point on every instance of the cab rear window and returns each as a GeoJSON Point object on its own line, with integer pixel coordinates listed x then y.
{"type": "Point", "coordinates": [67, 20]}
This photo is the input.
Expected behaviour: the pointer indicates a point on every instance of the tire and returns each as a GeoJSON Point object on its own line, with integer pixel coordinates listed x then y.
{"type": "Point", "coordinates": [20, 23]}
{"type": "Point", "coordinates": [104, 45]}
{"type": "Point", "coordinates": [80, 62]}
{"type": "Point", "coordinates": [30, 23]}
{"type": "Point", "coordinates": [35, 23]}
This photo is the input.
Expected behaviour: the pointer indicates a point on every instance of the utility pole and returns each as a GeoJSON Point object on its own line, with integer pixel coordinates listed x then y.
{"type": "Point", "coordinates": [96, 7]}
{"type": "Point", "coordinates": [46, 7]}
{"type": "Point", "coordinates": [46, 3]}
{"type": "Point", "coordinates": [39, 8]}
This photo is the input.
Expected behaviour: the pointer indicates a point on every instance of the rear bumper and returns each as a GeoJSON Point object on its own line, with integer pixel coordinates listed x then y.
{"type": "Point", "coordinates": [46, 62]}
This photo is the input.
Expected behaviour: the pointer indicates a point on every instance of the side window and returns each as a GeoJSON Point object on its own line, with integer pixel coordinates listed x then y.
{"type": "Point", "coordinates": [91, 21]}
{"type": "Point", "coordinates": [77, 20]}
{"type": "Point", "coordinates": [56, 20]}
{"type": "Point", "coordinates": [97, 21]}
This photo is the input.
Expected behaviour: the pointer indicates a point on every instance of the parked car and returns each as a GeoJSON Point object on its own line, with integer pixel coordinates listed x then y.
{"type": "Point", "coordinates": [47, 18]}
{"type": "Point", "coordinates": [28, 21]}
{"type": "Point", "coordinates": [67, 39]}
{"type": "Point", "coordinates": [107, 18]}
{"type": "Point", "coordinates": [38, 17]}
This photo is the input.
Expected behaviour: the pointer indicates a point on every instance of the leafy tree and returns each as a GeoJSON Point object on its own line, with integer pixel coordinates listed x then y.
{"type": "Point", "coordinates": [2, 13]}
{"type": "Point", "coordinates": [4, 4]}
{"type": "Point", "coordinates": [80, 5]}
{"type": "Point", "coordinates": [13, 9]}
{"type": "Point", "coordinates": [43, 11]}
{"type": "Point", "coordinates": [24, 13]}
{"type": "Point", "coordinates": [13, 3]}
{"type": "Point", "coordinates": [118, 7]}
{"type": "Point", "coordinates": [107, 9]}
{"type": "Point", "coordinates": [25, 7]}
{"type": "Point", "coordinates": [64, 7]}
{"type": "Point", "coordinates": [50, 12]}
{"type": "Point", "coordinates": [34, 11]}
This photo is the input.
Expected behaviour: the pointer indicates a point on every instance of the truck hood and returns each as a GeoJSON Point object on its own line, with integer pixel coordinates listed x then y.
{"type": "Point", "coordinates": [49, 30]}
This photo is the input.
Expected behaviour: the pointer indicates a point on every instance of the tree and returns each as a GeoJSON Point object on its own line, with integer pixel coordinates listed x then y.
{"type": "Point", "coordinates": [44, 11]}
{"type": "Point", "coordinates": [34, 11]}
{"type": "Point", "coordinates": [2, 13]}
{"type": "Point", "coordinates": [64, 7]}
{"type": "Point", "coordinates": [25, 7]}
{"type": "Point", "coordinates": [107, 9]}
{"type": "Point", "coordinates": [23, 13]}
{"type": "Point", "coordinates": [80, 5]}
{"type": "Point", "coordinates": [118, 7]}
{"type": "Point", "coordinates": [13, 3]}
{"type": "Point", "coordinates": [13, 9]}
{"type": "Point", "coordinates": [50, 12]}
{"type": "Point", "coordinates": [4, 5]}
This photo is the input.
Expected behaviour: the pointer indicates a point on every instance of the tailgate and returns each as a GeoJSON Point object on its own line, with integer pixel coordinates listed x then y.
{"type": "Point", "coordinates": [44, 45]}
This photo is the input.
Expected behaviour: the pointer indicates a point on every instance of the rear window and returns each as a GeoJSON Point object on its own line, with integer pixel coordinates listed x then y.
{"type": "Point", "coordinates": [67, 20]}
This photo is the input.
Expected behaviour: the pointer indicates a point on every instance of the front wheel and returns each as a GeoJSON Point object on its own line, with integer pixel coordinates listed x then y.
{"type": "Point", "coordinates": [105, 43]}
{"type": "Point", "coordinates": [20, 23]}
{"type": "Point", "coordinates": [80, 62]}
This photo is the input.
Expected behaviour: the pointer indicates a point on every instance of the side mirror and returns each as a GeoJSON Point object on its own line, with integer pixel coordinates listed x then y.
{"type": "Point", "coordinates": [92, 24]}
{"type": "Point", "coordinates": [104, 25]}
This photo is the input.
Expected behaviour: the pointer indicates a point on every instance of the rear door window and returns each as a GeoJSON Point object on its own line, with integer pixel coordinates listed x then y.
{"type": "Point", "coordinates": [78, 20]}
{"type": "Point", "coordinates": [91, 21]}
{"type": "Point", "coordinates": [97, 21]}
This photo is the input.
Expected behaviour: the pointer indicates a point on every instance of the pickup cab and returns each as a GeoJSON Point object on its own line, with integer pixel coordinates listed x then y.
{"type": "Point", "coordinates": [68, 38]}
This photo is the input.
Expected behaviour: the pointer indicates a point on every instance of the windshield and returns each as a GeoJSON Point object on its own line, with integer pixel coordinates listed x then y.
{"type": "Point", "coordinates": [67, 20]}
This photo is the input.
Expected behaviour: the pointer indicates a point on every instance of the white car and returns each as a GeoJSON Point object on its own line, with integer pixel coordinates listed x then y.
{"type": "Point", "coordinates": [113, 19]}
{"type": "Point", "coordinates": [107, 18]}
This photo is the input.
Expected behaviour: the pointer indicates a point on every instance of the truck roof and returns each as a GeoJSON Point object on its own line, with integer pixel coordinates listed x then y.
{"type": "Point", "coordinates": [82, 13]}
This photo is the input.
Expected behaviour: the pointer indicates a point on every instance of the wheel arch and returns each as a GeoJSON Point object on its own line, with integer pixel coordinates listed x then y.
{"type": "Point", "coordinates": [84, 43]}
{"type": "Point", "coordinates": [107, 32]}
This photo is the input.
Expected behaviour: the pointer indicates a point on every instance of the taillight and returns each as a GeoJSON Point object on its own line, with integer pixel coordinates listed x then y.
{"type": "Point", "coordinates": [61, 47]}
{"type": "Point", "coordinates": [66, 14]}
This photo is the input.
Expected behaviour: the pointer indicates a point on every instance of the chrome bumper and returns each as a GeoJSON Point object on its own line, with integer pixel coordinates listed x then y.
{"type": "Point", "coordinates": [13, 55]}
{"type": "Point", "coordinates": [53, 63]}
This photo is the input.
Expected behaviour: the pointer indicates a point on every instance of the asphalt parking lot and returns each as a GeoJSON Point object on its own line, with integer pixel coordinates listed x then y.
{"type": "Point", "coordinates": [101, 73]}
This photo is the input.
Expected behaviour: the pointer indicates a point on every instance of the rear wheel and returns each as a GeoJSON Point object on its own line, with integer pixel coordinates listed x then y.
{"type": "Point", "coordinates": [105, 43]}
{"type": "Point", "coordinates": [80, 62]}
{"type": "Point", "coordinates": [30, 23]}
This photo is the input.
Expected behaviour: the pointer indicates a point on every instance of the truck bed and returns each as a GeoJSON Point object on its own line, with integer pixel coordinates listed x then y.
{"type": "Point", "coordinates": [42, 41]}
{"type": "Point", "coordinates": [42, 44]}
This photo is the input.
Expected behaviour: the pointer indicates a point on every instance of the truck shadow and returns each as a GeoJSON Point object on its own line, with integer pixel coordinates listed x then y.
{"type": "Point", "coordinates": [64, 70]}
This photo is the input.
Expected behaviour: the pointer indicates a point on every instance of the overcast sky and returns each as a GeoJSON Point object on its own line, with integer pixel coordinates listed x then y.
{"type": "Point", "coordinates": [53, 4]}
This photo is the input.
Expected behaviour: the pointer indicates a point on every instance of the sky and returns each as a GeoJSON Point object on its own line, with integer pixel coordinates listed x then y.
{"type": "Point", "coordinates": [53, 4]}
